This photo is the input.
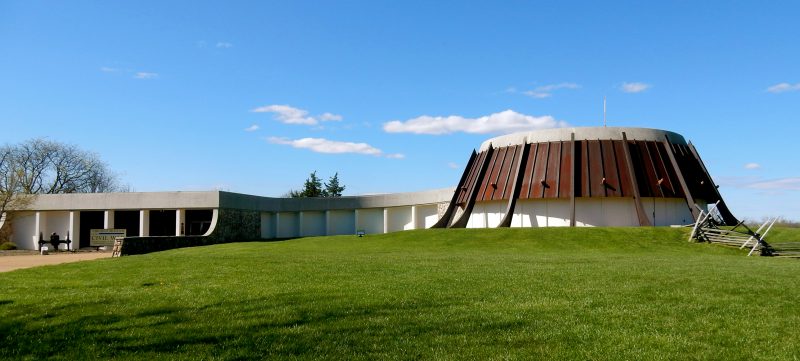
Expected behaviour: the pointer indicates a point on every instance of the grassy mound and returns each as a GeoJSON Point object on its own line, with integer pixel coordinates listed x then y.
{"type": "Point", "coordinates": [584, 293]}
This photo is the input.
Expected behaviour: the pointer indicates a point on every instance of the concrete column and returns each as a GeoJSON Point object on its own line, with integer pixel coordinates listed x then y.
{"type": "Point", "coordinates": [144, 223]}
{"type": "Point", "coordinates": [277, 224]}
{"type": "Point", "coordinates": [108, 219]}
{"type": "Point", "coordinates": [414, 217]}
{"type": "Point", "coordinates": [180, 222]}
{"type": "Point", "coordinates": [386, 220]}
{"type": "Point", "coordinates": [355, 220]}
{"type": "Point", "coordinates": [274, 225]}
{"type": "Point", "coordinates": [37, 229]}
{"type": "Point", "coordinates": [300, 224]}
{"type": "Point", "coordinates": [74, 230]}
{"type": "Point", "coordinates": [327, 222]}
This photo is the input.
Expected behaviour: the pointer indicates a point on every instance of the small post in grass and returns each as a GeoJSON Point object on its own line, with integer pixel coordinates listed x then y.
{"type": "Point", "coordinates": [360, 233]}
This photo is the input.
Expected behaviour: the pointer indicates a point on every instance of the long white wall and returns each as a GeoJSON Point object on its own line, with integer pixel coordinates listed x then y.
{"type": "Point", "coordinates": [312, 224]}
{"type": "Point", "coordinates": [589, 212]}
{"type": "Point", "coordinates": [372, 214]}
{"type": "Point", "coordinates": [280, 217]}
{"type": "Point", "coordinates": [541, 213]}
{"type": "Point", "coordinates": [341, 222]}
{"type": "Point", "coordinates": [348, 221]}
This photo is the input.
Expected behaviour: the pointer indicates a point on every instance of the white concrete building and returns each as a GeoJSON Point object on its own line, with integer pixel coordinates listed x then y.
{"type": "Point", "coordinates": [550, 178]}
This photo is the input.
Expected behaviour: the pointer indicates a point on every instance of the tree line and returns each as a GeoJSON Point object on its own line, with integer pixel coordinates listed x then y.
{"type": "Point", "coordinates": [314, 187]}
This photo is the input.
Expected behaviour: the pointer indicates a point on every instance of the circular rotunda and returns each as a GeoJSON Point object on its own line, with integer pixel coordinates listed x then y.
{"type": "Point", "coordinates": [594, 176]}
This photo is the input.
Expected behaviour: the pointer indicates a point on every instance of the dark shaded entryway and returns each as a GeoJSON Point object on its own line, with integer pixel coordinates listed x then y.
{"type": "Point", "coordinates": [128, 220]}
{"type": "Point", "coordinates": [162, 223]}
{"type": "Point", "coordinates": [90, 220]}
{"type": "Point", "coordinates": [198, 221]}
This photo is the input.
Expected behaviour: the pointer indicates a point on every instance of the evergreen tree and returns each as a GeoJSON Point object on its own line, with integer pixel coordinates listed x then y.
{"type": "Point", "coordinates": [312, 186]}
{"type": "Point", "coordinates": [332, 187]}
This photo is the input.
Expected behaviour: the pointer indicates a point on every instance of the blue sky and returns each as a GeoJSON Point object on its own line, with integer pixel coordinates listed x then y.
{"type": "Point", "coordinates": [252, 96]}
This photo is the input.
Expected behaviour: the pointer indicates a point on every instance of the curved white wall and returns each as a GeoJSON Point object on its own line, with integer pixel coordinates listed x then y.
{"type": "Point", "coordinates": [287, 225]}
{"type": "Point", "coordinates": [589, 212]}
{"type": "Point", "coordinates": [426, 215]}
{"type": "Point", "coordinates": [341, 222]}
{"type": "Point", "coordinates": [289, 218]}
{"type": "Point", "coordinates": [312, 224]}
{"type": "Point", "coordinates": [370, 220]}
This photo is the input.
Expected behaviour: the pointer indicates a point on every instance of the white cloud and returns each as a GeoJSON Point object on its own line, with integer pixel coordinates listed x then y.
{"type": "Point", "coordinates": [783, 87]}
{"type": "Point", "coordinates": [396, 156]}
{"type": "Point", "coordinates": [223, 44]}
{"type": "Point", "coordinates": [327, 117]}
{"type": "Point", "coordinates": [635, 87]}
{"type": "Point", "coordinates": [287, 114]}
{"type": "Point", "coordinates": [321, 145]}
{"type": "Point", "coordinates": [777, 184]}
{"type": "Point", "coordinates": [452, 165]}
{"type": "Point", "coordinates": [290, 115]}
{"type": "Point", "coordinates": [252, 128]}
{"type": "Point", "coordinates": [546, 91]}
{"type": "Point", "coordinates": [752, 166]}
{"type": "Point", "coordinates": [507, 121]}
{"type": "Point", "coordinates": [107, 69]}
{"type": "Point", "coordinates": [537, 94]}
{"type": "Point", "coordinates": [145, 75]}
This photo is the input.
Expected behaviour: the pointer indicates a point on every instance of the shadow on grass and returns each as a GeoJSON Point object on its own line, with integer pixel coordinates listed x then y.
{"type": "Point", "coordinates": [281, 325]}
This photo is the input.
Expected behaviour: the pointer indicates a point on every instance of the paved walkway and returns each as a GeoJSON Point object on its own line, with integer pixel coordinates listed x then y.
{"type": "Point", "coordinates": [10, 263]}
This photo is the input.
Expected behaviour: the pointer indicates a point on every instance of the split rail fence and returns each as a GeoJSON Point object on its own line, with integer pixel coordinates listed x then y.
{"type": "Point", "coordinates": [708, 229]}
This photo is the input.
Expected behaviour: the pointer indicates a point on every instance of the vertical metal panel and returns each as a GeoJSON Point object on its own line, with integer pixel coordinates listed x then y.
{"type": "Point", "coordinates": [516, 182]}
{"type": "Point", "coordinates": [448, 214]}
{"type": "Point", "coordinates": [473, 178]}
{"type": "Point", "coordinates": [461, 190]}
{"type": "Point", "coordinates": [662, 181]}
{"type": "Point", "coordinates": [505, 171]}
{"type": "Point", "coordinates": [610, 171]}
{"type": "Point", "coordinates": [512, 172]}
{"type": "Point", "coordinates": [525, 189]}
{"type": "Point", "coordinates": [727, 216]}
{"type": "Point", "coordinates": [573, 178]}
{"type": "Point", "coordinates": [462, 220]}
{"type": "Point", "coordinates": [496, 173]}
{"type": "Point", "coordinates": [637, 199]}
{"type": "Point", "coordinates": [685, 189]}
{"type": "Point", "coordinates": [566, 177]}
{"type": "Point", "coordinates": [639, 174]}
{"type": "Point", "coordinates": [667, 153]}
{"type": "Point", "coordinates": [583, 167]}
{"type": "Point", "coordinates": [625, 181]}
{"type": "Point", "coordinates": [693, 174]}
{"type": "Point", "coordinates": [578, 166]}
{"type": "Point", "coordinates": [490, 175]}
{"type": "Point", "coordinates": [651, 180]}
{"type": "Point", "coordinates": [552, 171]}
{"type": "Point", "coordinates": [539, 170]}
{"type": "Point", "coordinates": [596, 187]}
{"type": "Point", "coordinates": [702, 180]}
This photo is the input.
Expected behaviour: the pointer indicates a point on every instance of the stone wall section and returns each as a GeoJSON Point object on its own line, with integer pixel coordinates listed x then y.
{"type": "Point", "coordinates": [233, 225]}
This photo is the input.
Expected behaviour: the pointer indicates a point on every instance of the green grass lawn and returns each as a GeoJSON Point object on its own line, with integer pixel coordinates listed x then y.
{"type": "Point", "coordinates": [555, 293]}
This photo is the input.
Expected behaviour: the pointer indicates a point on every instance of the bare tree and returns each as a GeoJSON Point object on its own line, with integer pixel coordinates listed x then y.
{"type": "Point", "coordinates": [41, 166]}
{"type": "Point", "coordinates": [50, 167]}
{"type": "Point", "coordinates": [9, 187]}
